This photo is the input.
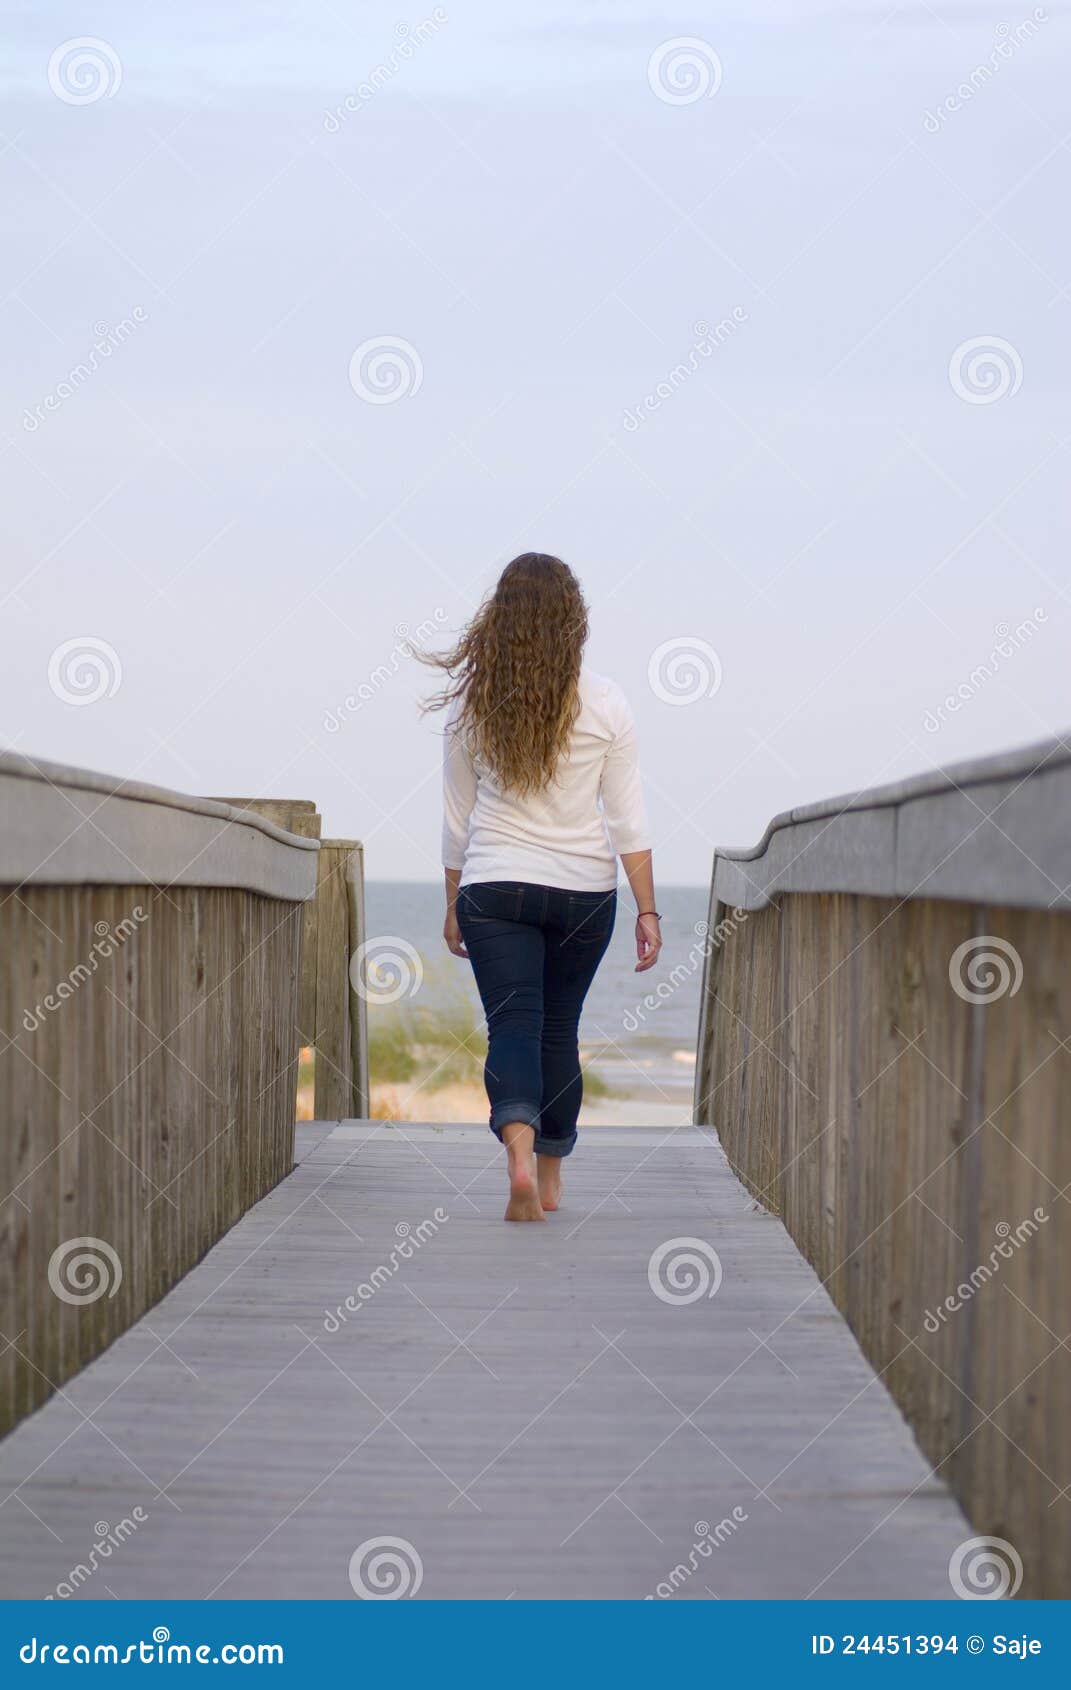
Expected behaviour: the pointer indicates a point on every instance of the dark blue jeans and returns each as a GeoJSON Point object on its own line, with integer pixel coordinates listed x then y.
{"type": "Point", "coordinates": [534, 951]}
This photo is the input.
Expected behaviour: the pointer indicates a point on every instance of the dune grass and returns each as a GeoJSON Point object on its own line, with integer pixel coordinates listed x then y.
{"type": "Point", "coordinates": [435, 1047]}
{"type": "Point", "coordinates": [429, 1050]}
{"type": "Point", "coordinates": [443, 1046]}
{"type": "Point", "coordinates": [594, 1084]}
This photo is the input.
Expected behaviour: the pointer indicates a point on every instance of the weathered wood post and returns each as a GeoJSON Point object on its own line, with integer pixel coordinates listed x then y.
{"type": "Point", "coordinates": [358, 1004]}
{"type": "Point", "coordinates": [332, 1015]}
{"type": "Point", "coordinates": [341, 1065]}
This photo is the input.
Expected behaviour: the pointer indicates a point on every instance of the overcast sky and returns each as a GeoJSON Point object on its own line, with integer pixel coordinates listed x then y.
{"type": "Point", "coordinates": [799, 533]}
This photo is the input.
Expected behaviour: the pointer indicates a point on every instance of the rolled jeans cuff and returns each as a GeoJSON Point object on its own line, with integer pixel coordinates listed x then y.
{"type": "Point", "coordinates": [554, 1146]}
{"type": "Point", "coordinates": [503, 1113]}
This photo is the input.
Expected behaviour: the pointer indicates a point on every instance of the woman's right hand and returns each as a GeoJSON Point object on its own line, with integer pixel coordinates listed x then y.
{"type": "Point", "coordinates": [648, 942]}
{"type": "Point", "coordinates": [452, 935]}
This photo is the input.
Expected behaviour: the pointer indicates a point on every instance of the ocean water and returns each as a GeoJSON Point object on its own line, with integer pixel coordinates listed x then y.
{"type": "Point", "coordinates": [638, 1030]}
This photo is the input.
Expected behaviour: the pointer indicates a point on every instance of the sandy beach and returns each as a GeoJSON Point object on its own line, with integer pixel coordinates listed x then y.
{"type": "Point", "coordinates": [662, 1108]}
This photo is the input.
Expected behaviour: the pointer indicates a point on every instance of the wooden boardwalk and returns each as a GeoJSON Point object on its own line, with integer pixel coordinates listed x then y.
{"type": "Point", "coordinates": [518, 1405]}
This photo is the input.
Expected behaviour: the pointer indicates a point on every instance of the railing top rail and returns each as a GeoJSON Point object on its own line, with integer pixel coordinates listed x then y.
{"type": "Point", "coordinates": [995, 829]}
{"type": "Point", "coordinates": [69, 825]}
{"type": "Point", "coordinates": [115, 786]}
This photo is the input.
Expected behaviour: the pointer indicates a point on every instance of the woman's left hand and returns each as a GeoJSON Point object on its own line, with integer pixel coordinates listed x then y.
{"type": "Point", "coordinates": [648, 942]}
{"type": "Point", "coordinates": [452, 935]}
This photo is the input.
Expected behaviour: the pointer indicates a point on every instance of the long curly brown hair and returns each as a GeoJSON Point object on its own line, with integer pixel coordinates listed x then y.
{"type": "Point", "coordinates": [515, 669]}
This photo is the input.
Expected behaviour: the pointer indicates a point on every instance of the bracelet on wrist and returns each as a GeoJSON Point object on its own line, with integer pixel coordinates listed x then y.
{"type": "Point", "coordinates": [655, 913]}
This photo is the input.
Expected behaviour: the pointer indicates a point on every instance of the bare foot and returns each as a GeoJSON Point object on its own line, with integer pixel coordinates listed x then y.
{"type": "Point", "coordinates": [550, 1181]}
{"type": "Point", "coordinates": [524, 1203]}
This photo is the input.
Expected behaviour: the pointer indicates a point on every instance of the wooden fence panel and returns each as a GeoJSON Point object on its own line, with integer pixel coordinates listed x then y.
{"type": "Point", "coordinates": [912, 1132]}
{"type": "Point", "coordinates": [948, 1138]}
{"type": "Point", "coordinates": [149, 1065]}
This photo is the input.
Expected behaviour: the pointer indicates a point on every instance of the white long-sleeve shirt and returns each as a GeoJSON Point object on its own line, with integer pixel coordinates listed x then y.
{"type": "Point", "coordinates": [571, 832]}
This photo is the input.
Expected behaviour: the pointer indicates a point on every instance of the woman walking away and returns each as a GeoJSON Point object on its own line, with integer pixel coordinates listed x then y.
{"type": "Point", "coordinates": [541, 793]}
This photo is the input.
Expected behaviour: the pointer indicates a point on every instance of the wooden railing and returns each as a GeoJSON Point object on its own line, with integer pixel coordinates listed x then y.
{"type": "Point", "coordinates": [884, 1051]}
{"type": "Point", "coordinates": [332, 1013]}
{"type": "Point", "coordinates": [150, 947]}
